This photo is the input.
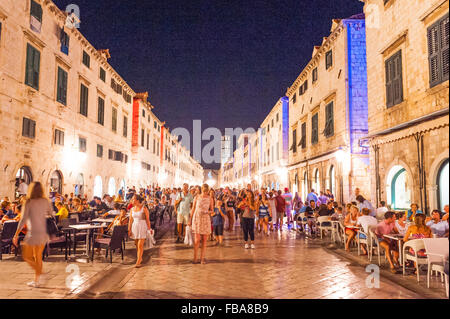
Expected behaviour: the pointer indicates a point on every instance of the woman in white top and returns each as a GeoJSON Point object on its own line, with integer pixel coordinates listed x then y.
{"type": "Point", "coordinates": [272, 210]}
{"type": "Point", "coordinates": [34, 213]}
{"type": "Point", "coordinates": [138, 226]}
{"type": "Point", "coordinates": [400, 223]}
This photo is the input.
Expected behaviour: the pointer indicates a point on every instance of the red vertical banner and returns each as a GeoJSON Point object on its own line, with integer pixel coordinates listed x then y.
{"type": "Point", "coordinates": [135, 123]}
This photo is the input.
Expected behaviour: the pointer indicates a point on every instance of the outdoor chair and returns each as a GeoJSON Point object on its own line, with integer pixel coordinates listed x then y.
{"type": "Point", "coordinates": [324, 224]}
{"type": "Point", "coordinates": [375, 245]}
{"type": "Point", "coordinates": [6, 237]}
{"type": "Point", "coordinates": [61, 241]}
{"type": "Point", "coordinates": [416, 245]}
{"type": "Point", "coordinates": [366, 241]}
{"type": "Point", "coordinates": [437, 251]}
{"type": "Point", "coordinates": [110, 243]}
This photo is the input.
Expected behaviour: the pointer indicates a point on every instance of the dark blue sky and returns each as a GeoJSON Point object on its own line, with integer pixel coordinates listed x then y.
{"type": "Point", "coordinates": [223, 62]}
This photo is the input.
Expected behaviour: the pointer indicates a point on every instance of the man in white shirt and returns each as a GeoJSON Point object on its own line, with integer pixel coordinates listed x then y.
{"type": "Point", "coordinates": [438, 227]}
{"type": "Point", "coordinates": [366, 221]}
{"type": "Point", "coordinates": [381, 210]}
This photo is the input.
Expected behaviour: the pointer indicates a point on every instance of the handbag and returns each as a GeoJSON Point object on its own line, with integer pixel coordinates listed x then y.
{"type": "Point", "coordinates": [150, 239]}
{"type": "Point", "coordinates": [188, 238]}
{"type": "Point", "coordinates": [52, 228]}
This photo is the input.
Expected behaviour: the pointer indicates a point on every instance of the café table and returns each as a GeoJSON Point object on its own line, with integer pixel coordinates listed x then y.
{"type": "Point", "coordinates": [88, 229]}
{"type": "Point", "coordinates": [399, 239]}
{"type": "Point", "coordinates": [103, 220]}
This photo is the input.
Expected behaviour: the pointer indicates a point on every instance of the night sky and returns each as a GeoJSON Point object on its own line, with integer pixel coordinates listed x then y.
{"type": "Point", "coordinates": [223, 62]}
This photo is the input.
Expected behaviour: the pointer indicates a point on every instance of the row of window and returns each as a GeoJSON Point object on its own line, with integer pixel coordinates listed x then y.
{"type": "Point", "coordinates": [29, 130]}
{"type": "Point", "coordinates": [327, 132]}
{"type": "Point", "coordinates": [33, 59]}
{"type": "Point", "coordinates": [304, 86]}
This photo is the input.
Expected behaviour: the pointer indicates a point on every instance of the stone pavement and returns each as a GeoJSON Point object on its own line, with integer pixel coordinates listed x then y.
{"type": "Point", "coordinates": [281, 266]}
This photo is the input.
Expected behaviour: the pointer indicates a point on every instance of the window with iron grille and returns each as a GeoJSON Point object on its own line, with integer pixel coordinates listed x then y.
{"type": "Point", "coordinates": [84, 95]}
{"type": "Point", "coordinates": [32, 67]}
{"type": "Point", "coordinates": [99, 150]}
{"type": "Point", "coordinates": [102, 74]}
{"type": "Point", "coordinates": [315, 128]}
{"type": "Point", "coordinates": [329, 120]}
{"type": "Point", "coordinates": [329, 59]}
{"type": "Point", "coordinates": [394, 80]}
{"type": "Point", "coordinates": [438, 51]}
{"type": "Point", "coordinates": [86, 59]}
{"type": "Point", "coordinates": [59, 137]}
{"type": "Point", "coordinates": [82, 144]}
{"type": "Point", "coordinates": [28, 128]}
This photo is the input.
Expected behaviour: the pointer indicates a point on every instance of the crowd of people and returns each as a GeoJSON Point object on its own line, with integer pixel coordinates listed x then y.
{"type": "Point", "coordinates": [207, 213]}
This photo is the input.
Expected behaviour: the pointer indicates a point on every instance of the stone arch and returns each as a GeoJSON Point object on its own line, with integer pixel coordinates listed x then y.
{"type": "Point", "coordinates": [432, 187]}
{"type": "Point", "coordinates": [388, 179]}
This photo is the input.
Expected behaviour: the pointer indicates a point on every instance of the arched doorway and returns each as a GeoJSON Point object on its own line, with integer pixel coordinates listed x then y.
{"type": "Point", "coordinates": [316, 181]}
{"type": "Point", "coordinates": [443, 185]}
{"type": "Point", "coordinates": [332, 185]}
{"type": "Point", "coordinates": [112, 186]}
{"type": "Point", "coordinates": [24, 173]}
{"type": "Point", "coordinates": [79, 185]}
{"type": "Point", "coordinates": [397, 189]}
{"type": "Point", "coordinates": [56, 182]}
{"type": "Point", "coordinates": [98, 186]}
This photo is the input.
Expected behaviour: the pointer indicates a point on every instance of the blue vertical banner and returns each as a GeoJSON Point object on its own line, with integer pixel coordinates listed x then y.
{"type": "Point", "coordinates": [285, 128]}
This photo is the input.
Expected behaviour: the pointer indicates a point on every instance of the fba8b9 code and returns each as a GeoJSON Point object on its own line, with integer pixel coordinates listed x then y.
{"type": "Point", "coordinates": [246, 308]}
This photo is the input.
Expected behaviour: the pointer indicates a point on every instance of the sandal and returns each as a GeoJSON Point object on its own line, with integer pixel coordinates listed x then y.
{"type": "Point", "coordinates": [203, 262]}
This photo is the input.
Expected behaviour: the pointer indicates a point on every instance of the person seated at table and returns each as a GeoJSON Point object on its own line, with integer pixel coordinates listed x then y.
{"type": "Point", "coordinates": [365, 221]}
{"type": "Point", "coordinates": [113, 212]}
{"type": "Point", "coordinates": [351, 220]}
{"type": "Point", "coordinates": [347, 207]}
{"type": "Point", "coordinates": [387, 227]}
{"type": "Point", "coordinates": [13, 213]}
{"type": "Point", "coordinates": [400, 223]}
{"type": "Point", "coordinates": [438, 227]}
{"type": "Point", "coordinates": [119, 220]}
{"type": "Point", "coordinates": [63, 212]}
{"type": "Point", "coordinates": [446, 209]}
{"type": "Point", "coordinates": [338, 214]}
{"type": "Point", "coordinates": [411, 213]}
{"type": "Point", "coordinates": [5, 209]}
{"type": "Point", "coordinates": [418, 231]}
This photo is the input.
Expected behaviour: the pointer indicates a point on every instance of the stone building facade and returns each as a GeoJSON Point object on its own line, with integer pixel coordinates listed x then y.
{"type": "Point", "coordinates": [408, 96]}
{"type": "Point", "coordinates": [65, 113]}
{"type": "Point", "coordinates": [328, 116]}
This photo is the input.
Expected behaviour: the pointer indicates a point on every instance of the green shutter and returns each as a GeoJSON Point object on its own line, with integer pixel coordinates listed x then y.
{"type": "Point", "coordinates": [329, 122]}
{"type": "Point", "coordinates": [433, 54]}
{"type": "Point", "coordinates": [389, 87]}
{"type": "Point", "coordinates": [62, 86]}
{"type": "Point", "coordinates": [101, 111]}
{"type": "Point", "coordinates": [398, 85]}
{"type": "Point", "coordinates": [32, 67]}
{"type": "Point", "coordinates": [84, 100]}
{"type": "Point", "coordinates": [444, 47]}
{"type": "Point", "coordinates": [36, 10]}
{"type": "Point", "coordinates": [314, 129]}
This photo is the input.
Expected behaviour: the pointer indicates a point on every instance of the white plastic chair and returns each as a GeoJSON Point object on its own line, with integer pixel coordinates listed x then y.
{"type": "Point", "coordinates": [416, 245]}
{"type": "Point", "coordinates": [374, 240]}
{"type": "Point", "coordinates": [437, 251]}
{"type": "Point", "coordinates": [321, 228]}
{"type": "Point", "coordinates": [366, 241]}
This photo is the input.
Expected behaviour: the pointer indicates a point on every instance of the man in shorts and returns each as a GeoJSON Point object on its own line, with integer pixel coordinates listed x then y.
{"type": "Point", "coordinates": [183, 206]}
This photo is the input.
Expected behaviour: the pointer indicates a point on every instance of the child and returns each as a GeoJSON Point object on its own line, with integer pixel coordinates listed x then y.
{"type": "Point", "coordinates": [218, 218]}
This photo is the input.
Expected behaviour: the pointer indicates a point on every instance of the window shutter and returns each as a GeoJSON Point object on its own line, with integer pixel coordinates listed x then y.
{"type": "Point", "coordinates": [444, 46]}
{"type": "Point", "coordinates": [398, 86]}
{"type": "Point", "coordinates": [64, 87]}
{"type": "Point", "coordinates": [36, 63]}
{"type": "Point", "coordinates": [36, 10]}
{"type": "Point", "coordinates": [389, 93]}
{"type": "Point", "coordinates": [29, 66]}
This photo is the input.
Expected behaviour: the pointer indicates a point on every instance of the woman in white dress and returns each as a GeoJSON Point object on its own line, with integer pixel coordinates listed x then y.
{"type": "Point", "coordinates": [138, 226]}
{"type": "Point", "coordinates": [200, 221]}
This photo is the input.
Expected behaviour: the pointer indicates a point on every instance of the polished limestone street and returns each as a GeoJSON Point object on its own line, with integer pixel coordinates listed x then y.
{"type": "Point", "coordinates": [284, 265]}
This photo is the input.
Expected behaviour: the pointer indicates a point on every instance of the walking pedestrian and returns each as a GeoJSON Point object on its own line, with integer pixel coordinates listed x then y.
{"type": "Point", "coordinates": [280, 204]}
{"type": "Point", "coordinates": [138, 226]}
{"type": "Point", "coordinates": [248, 206]}
{"type": "Point", "coordinates": [37, 207]}
{"type": "Point", "coordinates": [263, 206]}
{"type": "Point", "coordinates": [218, 219]}
{"type": "Point", "coordinates": [200, 220]}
